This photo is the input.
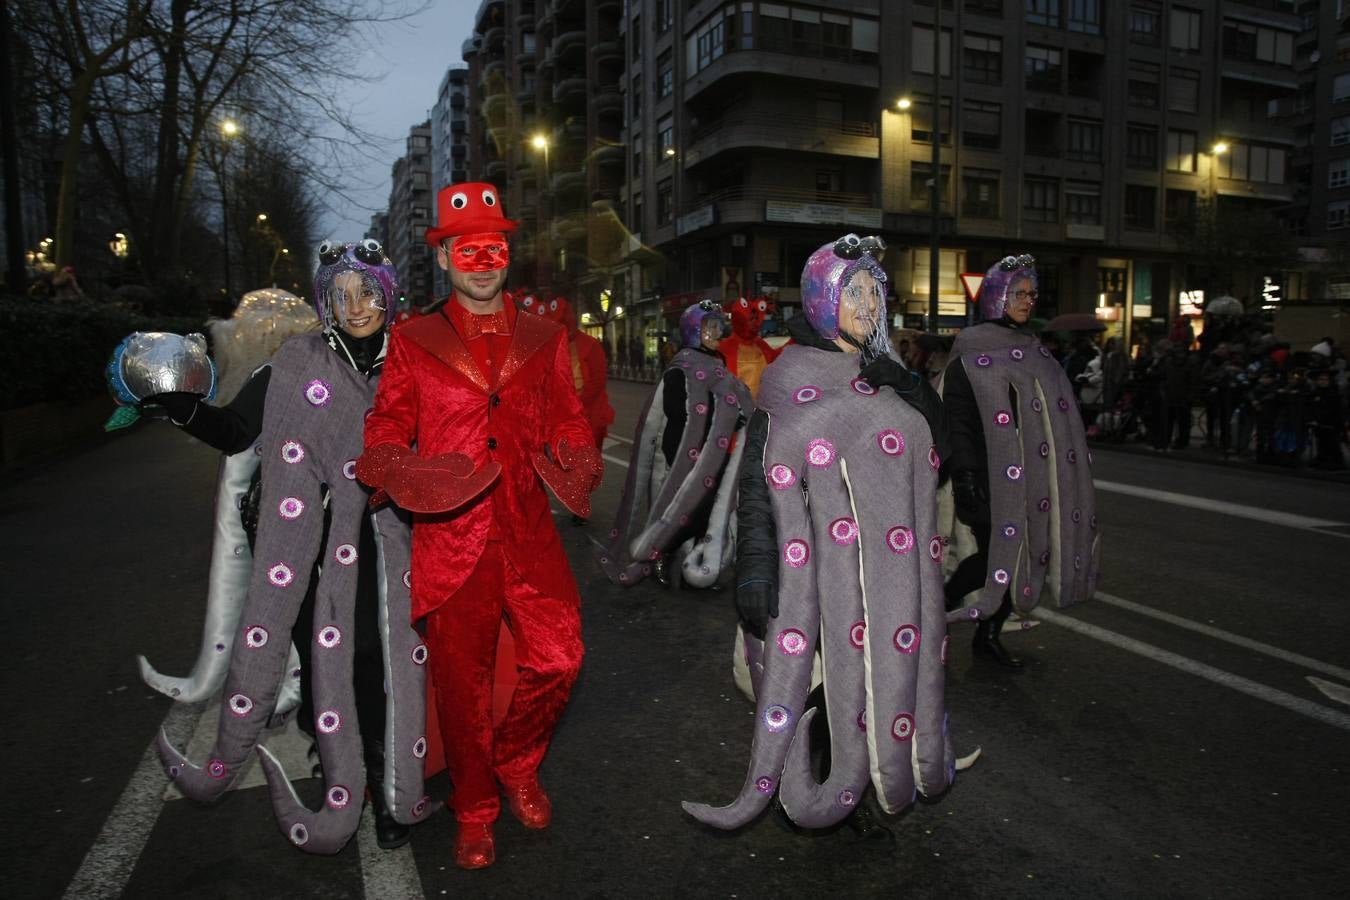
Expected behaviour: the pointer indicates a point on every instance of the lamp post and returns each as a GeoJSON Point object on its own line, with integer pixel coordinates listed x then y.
{"type": "Point", "coordinates": [229, 128]}
{"type": "Point", "coordinates": [1218, 149]}
{"type": "Point", "coordinates": [935, 192]}
{"type": "Point", "coordinates": [545, 221]}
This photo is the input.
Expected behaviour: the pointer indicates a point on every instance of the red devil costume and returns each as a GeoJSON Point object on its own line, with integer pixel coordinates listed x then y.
{"type": "Point", "coordinates": [748, 354]}
{"type": "Point", "coordinates": [590, 368]}
{"type": "Point", "coordinates": [497, 388]}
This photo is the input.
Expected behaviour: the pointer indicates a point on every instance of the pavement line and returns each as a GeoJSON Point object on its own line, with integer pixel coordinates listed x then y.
{"type": "Point", "coordinates": [386, 874]}
{"type": "Point", "coordinates": [621, 440]}
{"type": "Point", "coordinates": [1338, 692]}
{"type": "Point", "coordinates": [615, 460]}
{"type": "Point", "coordinates": [1324, 714]}
{"type": "Point", "coordinates": [1257, 513]}
{"type": "Point", "coordinates": [108, 865]}
{"type": "Point", "coordinates": [1306, 662]}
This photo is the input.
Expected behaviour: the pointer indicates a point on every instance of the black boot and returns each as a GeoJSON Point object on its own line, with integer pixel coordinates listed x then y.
{"type": "Point", "coordinates": [987, 641]}
{"type": "Point", "coordinates": [866, 827]}
{"type": "Point", "coordinates": [389, 834]}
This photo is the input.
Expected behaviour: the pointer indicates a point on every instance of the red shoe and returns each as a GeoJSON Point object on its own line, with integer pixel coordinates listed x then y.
{"type": "Point", "coordinates": [530, 804]}
{"type": "Point", "coordinates": [474, 846]}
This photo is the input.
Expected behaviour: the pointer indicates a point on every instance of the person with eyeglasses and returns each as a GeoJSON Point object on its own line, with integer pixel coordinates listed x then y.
{"type": "Point", "coordinates": [1020, 469]}
{"type": "Point", "coordinates": [482, 380]}
{"type": "Point", "coordinates": [674, 518]}
{"type": "Point", "coordinates": [326, 575]}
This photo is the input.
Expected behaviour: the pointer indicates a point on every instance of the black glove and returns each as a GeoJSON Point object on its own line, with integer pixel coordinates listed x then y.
{"type": "Point", "coordinates": [889, 372]}
{"type": "Point", "coordinates": [180, 405]}
{"type": "Point", "coordinates": [971, 497]}
{"type": "Point", "coordinates": [757, 603]}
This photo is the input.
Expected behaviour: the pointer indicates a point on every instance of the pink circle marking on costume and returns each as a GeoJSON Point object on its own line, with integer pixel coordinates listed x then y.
{"type": "Point", "coordinates": [984, 361]}
{"type": "Point", "coordinates": [1092, 522]}
{"type": "Point", "coordinates": [216, 768]}
{"type": "Point", "coordinates": [419, 654]}
{"type": "Point", "coordinates": [693, 453]}
{"type": "Point", "coordinates": [292, 452]}
{"type": "Point", "coordinates": [1045, 351]}
{"type": "Point", "coordinates": [328, 721]}
{"type": "Point", "coordinates": [345, 554]}
{"type": "Point", "coordinates": [792, 642]}
{"type": "Point", "coordinates": [891, 442]}
{"type": "Point", "coordinates": [1045, 558]}
{"type": "Point", "coordinates": [862, 720]}
{"type": "Point", "coordinates": [843, 530]}
{"type": "Point", "coordinates": [291, 508]}
{"type": "Point", "coordinates": [175, 771]}
{"type": "Point", "coordinates": [731, 400]}
{"type": "Point", "coordinates": [299, 834]}
{"type": "Point", "coordinates": [1013, 472]}
{"type": "Point", "coordinates": [900, 539]}
{"type": "Point", "coordinates": [349, 470]}
{"type": "Point", "coordinates": [1076, 516]}
{"type": "Point", "coordinates": [1043, 504]}
{"type": "Point", "coordinates": [719, 372]}
{"type": "Point", "coordinates": [338, 796]}
{"type": "Point", "coordinates": [907, 638]}
{"type": "Point", "coordinates": [942, 653]}
{"type": "Point", "coordinates": [1016, 353]}
{"type": "Point", "coordinates": [318, 392]}
{"type": "Point", "coordinates": [974, 613]}
{"type": "Point", "coordinates": [782, 476]}
{"type": "Point", "coordinates": [777, 718]}
{"type": "Point", "coordinates": [796, 553]}
{"type": "Point", "coordinates": [420, 806]}
{"type": "Point", "coordinates": [862, 387]}
{"type": "Point", "coordinates": [1009, 530]}
{"type": "Point", "coordinates": [1002, 417]}
{"type": "Point", "coordinates": [1026, 590]}
{"type": "Point", "coordinates": [805, 394]}
{"type": "Point", "coordinates": [847, 798]}
{"type": "Point", "coordinates": [724, 442]}
{"type": "Point", "coordinates": [255, 636]}
{"type": "Point", "coordinates": [1077, 562]}
{"type": "Point", "coordinates": [240, 705]}
{"type": "Point", "coordinates": [701, 375]}
{"type": "Point", "coordinates": [1036, 404]}
{"type": "Point", "coordinates": [857, 632]}
{"type": "Point", "coordinates": [934, 460]}
{"type": "Point", "coordinates": [419, 748]}
{"type": "Point", "coordinates": [820, 453]}
{"type": "Point", "coordinates": [1062, 404]}
{"type": "Point", "coordinates": [935, 548]}
{"type": "Point", "coordinates": [764, 784]}
{"type": "Point", "coordinates": [1001, 576]}
{"type": "Point", "coordinates": [280, 575]}
{"type": "Point", "coordinates": [407, 578]}
{"type": "Point", "coordinates": [1072, 455]}
{"type": "Point", "coordinates": [329, 637]}
{"type": "Point", "coordinates": [701, 408]}
{"type": "Point", "coordinates": [1044, 450]}
{"type": "Point", "coordinates": [902, 729]}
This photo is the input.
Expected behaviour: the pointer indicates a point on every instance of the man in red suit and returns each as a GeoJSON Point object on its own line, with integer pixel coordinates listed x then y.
{"type": "Point", "coordinates": [590, 368]}
{"type": "Point", "coordinates": [479, 379]}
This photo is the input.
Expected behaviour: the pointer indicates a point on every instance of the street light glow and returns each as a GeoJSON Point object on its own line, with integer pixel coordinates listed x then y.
{"type": "Point", "coordinates": [262, 217]}
{"type": "Point", "coordinates": [539, 142]}
{"type": "Point", "coordinates": [1219, 148]}
{"type": "Point", "coordinates": [670, 152]}
{"type": "Point", "coordinates": [903, 103]}
{"type": "Point", "coordinates": [229, 127]}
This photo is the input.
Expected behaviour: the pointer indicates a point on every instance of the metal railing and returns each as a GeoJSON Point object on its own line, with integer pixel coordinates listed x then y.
{"type": "Point", "coordinates": [803, 125]}
{"type": "Point", "coordinates": [759, 194]}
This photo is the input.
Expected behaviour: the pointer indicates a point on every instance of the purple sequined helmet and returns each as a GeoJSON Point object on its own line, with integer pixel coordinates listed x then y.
{"type": "Point", "coordinates": [691, 321]}
{"type": "Point", "coordinates": [827, 273]}
{"type": "Point", "coordinates": [993, 296]}
{"type": "Point", "coordinates": [365, 258]}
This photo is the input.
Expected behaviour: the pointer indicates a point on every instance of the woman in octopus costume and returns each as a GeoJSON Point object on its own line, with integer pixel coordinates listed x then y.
{"type": "Point", "coordinates": [676, 498]}
{"type": "Point", "coordinates": [1020, 467]}
{"type": "Point", "coordinates": [314, 394]}
{"type": "Point", "coordinates": [855, 573]}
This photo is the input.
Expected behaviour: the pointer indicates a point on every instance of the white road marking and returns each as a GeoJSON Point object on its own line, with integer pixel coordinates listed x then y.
{"type": "Point", "coordinates": [109, 863]}
{"type": "Point", "coordinates": [288, 744]}
{"type": "Point", "coordinates": [1256, 513]}
{"type": "Point", "coordinates": [1306, 662]}
{"type": "Point", "coordinates": [1316, 711]}
{"type": "Point", "coordinates": [1338, 692]}
{"type": "Point", "coordinates": [614, 459]}
{"type": "Point", "coordinates": [621, 440]}
{"type": "Point", "coordinates": [386, 874]}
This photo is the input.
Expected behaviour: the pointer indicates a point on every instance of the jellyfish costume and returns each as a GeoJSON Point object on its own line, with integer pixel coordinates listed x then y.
{"type": "Point", "coordinates": [677, 495]}
{"type": "Point", "coordinates": [310, 438]}
{"type": "Point", "coordinates": [856, 570]}
{"type": "Point", "coordinates": [1030, 446]}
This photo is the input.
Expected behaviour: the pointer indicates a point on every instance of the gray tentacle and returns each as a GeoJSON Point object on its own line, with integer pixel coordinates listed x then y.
{"type": "Point", "coordinates": [933, 755]}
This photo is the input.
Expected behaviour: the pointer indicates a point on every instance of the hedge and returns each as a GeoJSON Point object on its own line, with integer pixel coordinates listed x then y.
{"type": "Point", "coordinates": [58, 351]}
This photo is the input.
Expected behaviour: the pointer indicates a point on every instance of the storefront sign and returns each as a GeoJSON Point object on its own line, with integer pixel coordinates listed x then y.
{"type": "Point", "coordinates": [822, 214]}
{"type": "Point", "coordinates": [693, 221]}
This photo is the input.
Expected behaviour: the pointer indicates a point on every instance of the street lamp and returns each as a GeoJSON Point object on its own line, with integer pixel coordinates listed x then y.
{"type": "Point", "coordinates": [545, 219]}
{"type": "Point", "coordinates": [229, 129]}
{"type": "Point", "coordinates": [262, 217]}
{"type": "Point", "coordinates": [903, 103]}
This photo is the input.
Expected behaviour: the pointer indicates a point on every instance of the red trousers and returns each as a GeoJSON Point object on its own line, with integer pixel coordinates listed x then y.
{"type": "Point", "coordinates": [461, 637]}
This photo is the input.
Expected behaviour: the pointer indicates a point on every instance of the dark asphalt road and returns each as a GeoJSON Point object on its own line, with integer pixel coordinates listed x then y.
{"type": "Point", "coordinates": [1146, 758]}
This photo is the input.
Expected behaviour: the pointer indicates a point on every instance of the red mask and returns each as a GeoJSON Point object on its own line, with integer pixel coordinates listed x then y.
{"type": "Point", "coordinates": [483, 252]}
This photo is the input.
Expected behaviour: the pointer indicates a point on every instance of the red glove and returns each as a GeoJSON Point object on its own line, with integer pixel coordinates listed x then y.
{"type": "Point", "coordinates": [573, 476]}
{"type": "Point", "coordinates": [439, 484]}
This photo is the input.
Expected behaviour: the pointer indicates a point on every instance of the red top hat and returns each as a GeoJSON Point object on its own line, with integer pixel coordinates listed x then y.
{"type": "Point", "coordinates": [472, 207]}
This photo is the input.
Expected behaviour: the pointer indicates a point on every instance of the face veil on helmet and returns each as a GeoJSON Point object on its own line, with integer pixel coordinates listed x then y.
{"type": "Point", "coordinates": [338, 296]}
{"type": "Point", "coordinates": [827, 285]}
{"type": "Point", "coordinates": [691, 322]}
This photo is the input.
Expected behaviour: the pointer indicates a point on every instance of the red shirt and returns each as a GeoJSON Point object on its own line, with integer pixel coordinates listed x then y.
{"type": "Point", "coordinates": [488, 349]}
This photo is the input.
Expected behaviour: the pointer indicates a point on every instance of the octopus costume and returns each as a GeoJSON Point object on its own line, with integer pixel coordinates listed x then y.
{"type": "Point", "coordinates": [590, 369]}
{"type": "Point", "coordinates": [1020, 455]}
{"type": "Point", "coordinates": [676, 498]}
{"type": "Point", "coordinates": [497, 387]}
{"type": "Point", "coordinates": [747, 353]}
{"type": "Point", "coordinates": [856, 573]}
{"type": "Point", "coordinates": [308, 444]}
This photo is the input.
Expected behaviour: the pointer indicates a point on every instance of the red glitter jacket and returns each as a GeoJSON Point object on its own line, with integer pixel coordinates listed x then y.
{"type": "Point", "coordinates": [432, 393]}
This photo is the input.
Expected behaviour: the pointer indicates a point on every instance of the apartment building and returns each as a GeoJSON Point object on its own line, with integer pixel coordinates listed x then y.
{"type": "Point", "coordinates": [659, 151]}
{"type": "Point", "coordinates": [449, 147]}
{"type": "Point", "coordinates": [410, 211]}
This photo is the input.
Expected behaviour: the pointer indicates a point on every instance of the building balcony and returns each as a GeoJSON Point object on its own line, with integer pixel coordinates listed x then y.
{"type": "Point", "coordinates": [494, 105]}
{"type": "Point", "coordinates": [607, 101]}
{"type": "Point", "coordinates": [494, 37]}
{"type": "Point", "coordinates": [752, 204]}
{"type": "Point", "coordinates": [608, 52]}
{"type": "Point", "coordinates": [794, 133]}
{"type": "Point", "coordinates": [569, 91]}
{"type": "Point", "coordinates": [861, 72]}
{"type": "Point", "coordinates": [495, 168]}
{"type": "Point", "coordinates": [608, 7]}
{"type": "Point", "coordinates": [527, 94]}
{"type": "Point", "coordinates": [485, 10]}
{"type": "Point", "coordinates": [570, 46]}
{"type": "Point", "coordinates": [493, 69]}
{"type": "Point", "coordinates": [1263, 73]}
{"type": "Point", "coordinates": [569, 133]}
{"type": "Point", "coordinates": [525, 18]}
{"type": "Point", "coordinates": [610, 156]}
{"type": "Point", "coordinates": [567, 184]}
